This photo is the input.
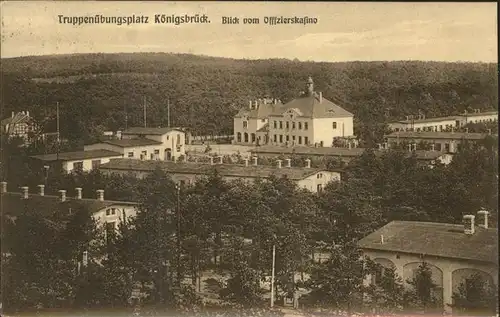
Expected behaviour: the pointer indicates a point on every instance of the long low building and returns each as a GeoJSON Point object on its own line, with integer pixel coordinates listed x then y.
{"type": "Point", "coordinates": [76, 161]}
{"type": "Point", "coordinates": [442, 141]}
{"type": "Point", "coordinates": [442, 124]}
{"type": "Point", "coordinates": [313, 179]}
{"type": "Point", "coordinates": [452, 251]}
{"type": "Point", "coordinates": [344, 154]}
{"type": "Point", "coordinates": [57, 209]}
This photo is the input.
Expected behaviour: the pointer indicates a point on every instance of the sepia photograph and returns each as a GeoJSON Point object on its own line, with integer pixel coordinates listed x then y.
{"type": "Point", "coordinates": [252, 158]}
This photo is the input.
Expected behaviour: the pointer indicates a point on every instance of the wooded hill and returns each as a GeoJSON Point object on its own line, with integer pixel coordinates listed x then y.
{"type": "Point", "coordinates": [95, 90]}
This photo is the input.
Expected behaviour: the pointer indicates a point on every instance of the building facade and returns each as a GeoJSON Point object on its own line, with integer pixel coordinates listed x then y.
{"type": "Point", "coordinates": [312, 179]}
{"type": "Point", "coordinates": [19, 125]}
{"type": "Point", "coordinates": [452, 252]}
{"type": "Point", "coordinates": [250, 125]}
{"type": "Point", "coordinates": [82, 161]}
{"type": "Point", "coordinates": [309, 120]}
{"type": "Point", "coordinates": [448, 142]}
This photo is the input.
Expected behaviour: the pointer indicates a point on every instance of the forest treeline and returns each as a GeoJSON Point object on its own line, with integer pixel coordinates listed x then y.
{"type": "Point", "coordinates": [99, 92]}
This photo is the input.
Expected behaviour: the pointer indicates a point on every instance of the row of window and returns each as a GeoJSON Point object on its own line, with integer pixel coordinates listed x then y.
{"type": "Point", "coordinates": [287, 139]}
{"type": "Point", "coordinates": [78, 166]}
{"type": "Point", "coordinates": [144, 154]}
{"type": "Point", "coordinates": [287, 125]}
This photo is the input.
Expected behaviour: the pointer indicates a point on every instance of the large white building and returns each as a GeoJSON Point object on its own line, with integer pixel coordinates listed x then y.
{"type": "Point", "coordinates": [309, 120]}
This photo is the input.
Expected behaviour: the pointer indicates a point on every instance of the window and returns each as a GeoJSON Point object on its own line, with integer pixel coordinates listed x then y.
{"type": "Point", "coordinates": [320, 175]}
{"type": "Point", "coordinates": [263, 120]}
{"type": "Point", "coordinates": [178, 140]}
{"type": "Point", "coordinates": [319, 187]}
{"type": "Point", "coordinates": [447, 147]}
{"type": "Point", "coordinates": [437, 146]}
{"type": "Point", "coordinates": [245, 124]}
{"type": "Point", "coordinates": [157, 151]}
{"type": "Point", "coordinates": [300, 125]}
{"type": "Point", "coordinates": [281, 124]}
{"type": "Point", "coordinates": [108, 212]}
{"type": "Point", "coordinates": [275, 138]}
{"type": "Point", "coordinates": [113, 211]}
{"type": "Point", "coordinates": [78, 166]}
{"type": "Point", "coordinates": [287, 125]}
{"type": "Point", "coordinates": [287, 138]}
{"type": "Point", "coordinates": [300, 139]}
{"type": "Point", "coordinates": [281, 138]}
{"type": "Point", "coordinates": [145, 153]}
{"type": "Point", "coordinates": [130, 154]}
{"type": "Point", "coordinates": [334, 125]}
{"type": "Point", "coordinates": [96, 163]}
{"type": "Point", "coordinates": [306, 126]}
{"type": "Point", "coordinates": [306, 140]}
{"type": "Point", "coordinates": [293, 138]}
{"type": "Point", "coordinates": [238, 137]}
{"type": "Point", "coordinates": [275, 124]}
{"type": "Point", "coordinates": [293, 125]}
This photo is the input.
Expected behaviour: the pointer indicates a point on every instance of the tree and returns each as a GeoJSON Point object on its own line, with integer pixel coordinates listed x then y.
{"type": "Point", "coordinates": [386, 294]}
{"type": "Point", "coordinates": [421, 295]}
{"type": "Point", "coordinates": [338, 282]}
{"type": "Point", "coordinates": [475, 296]}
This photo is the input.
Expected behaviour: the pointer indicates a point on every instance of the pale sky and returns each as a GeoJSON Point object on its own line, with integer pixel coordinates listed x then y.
{"type": "Point", "coordinates": [344, 32]}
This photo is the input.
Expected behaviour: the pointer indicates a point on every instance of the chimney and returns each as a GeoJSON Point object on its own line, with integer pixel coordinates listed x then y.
{"type": "Point", "coordinates": [41, 190]}
{"type": "Point", "coordinates": [250, 104]}
{"type": "Point", "coordinates": [12, 114]}
{"type": "Point", "coordinates": [308, 163]}
{"type": "Point", "coordinates": [414, 146]}
{"type": "Point", "coordinates": [484, 214]}
{"type": "Point", "coordinates": [246, 162]}
{"type": "Point", "coordinates": [379, 146]}
{"type": "Point", "coordinates": [63, 194]}
{"type": "Point", "coordinates": [25, 192]}
{"type": "Point", "coordinates": [433, 147]}
{"type": "Point", "coordinates": [468, 224]}
{"type": "Point", "coordinates": [255, 158]}
{"type": "Point", "coordinates": [349, 145]}
{"type": "Point", "coordinates": [3, 186]}
{"type": "Point", "coordinates": [386, 145]}
{"type": "Point", "coordinates": [409, 147]}
{"type": "Point", "coordinates": [320, 97]}
{"type": "Point", "coordinates": [288, 162]}
{"type": "Point", "coordinates": [78, 193]}
{"type": "Point", "coordinates": [211, 160]}
{"type": "Point", "coordinates": [381, 239]}
{"type": "Point", "coordinates": [100, 194]}
{"type": "Point", "coordinates": [489, 131]}
{"type": "Point", "coordinates": [279, 163]}
{"type": "Point", "coordinates": [466, 130]}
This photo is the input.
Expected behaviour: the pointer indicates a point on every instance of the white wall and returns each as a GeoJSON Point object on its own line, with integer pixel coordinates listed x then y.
{"type": "Point", "coordinates": [321, 178]}
{"type": "Point", "coordinates": [324, 132]}
{"type": "Point", "coordinates": [254, 124]}
{"type": "Point", "coordinates": [87, 163]}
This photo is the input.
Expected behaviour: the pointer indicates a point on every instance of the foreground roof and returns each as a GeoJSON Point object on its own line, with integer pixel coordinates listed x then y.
{"type": "Point", "coordinates": [150, 131]}
{"type": "Point", "coordinates": [335, 151]}
{"type": "Point", "coordinates": [311, 107]}
{"type": "Point", "coordinates": [436, 239]}
{"type": "Point", "coordinates": [235, 170]}
{"type": "Point", "coordinates": [132, 142]}
{"type": "Point", "coordinates": [437, 135]}
{"type": "Point", "coordinates": [12, 204]}
{"type": "Point", "coordinates": [78, 155]}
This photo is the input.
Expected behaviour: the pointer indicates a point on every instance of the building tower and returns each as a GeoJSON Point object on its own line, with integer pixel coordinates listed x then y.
{"type": "Point", "coordinates": [309, 87]}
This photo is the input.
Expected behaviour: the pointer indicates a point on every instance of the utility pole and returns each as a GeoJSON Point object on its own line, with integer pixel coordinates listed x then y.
{"type": "Point", "coordinates": [272, 275]}
{"type": "Point", "coordinates": [58, 133]}
{"type": "Point", "coordinates": [144, 104]}
{"type": "Point", "coordinates": [126, 115]}
{"type": "Point", "coordinates": [168, 112]}
{"type": "Point", "coordinates": [178, 187]}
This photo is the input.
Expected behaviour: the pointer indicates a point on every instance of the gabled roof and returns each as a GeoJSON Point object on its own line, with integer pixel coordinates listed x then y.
{"type": "Point", "coordinates": [132, 142]}
{"type": "Point", "coordinates": [311, 107]}
{"type": "Point", "coordinates": [263, 110]}
{"type": "Point", "coordinates": [78, 155]}
{"type": "Point", "coordinates": [149, 131]}
{"type": "Point", "coordinates": [264, 128]}
{"type": "Point", "coordinates": [17, 118]}
{"type": "Point", "coordinates": [435, 239]}
{"type": "Point", "coordinates": [437, 135]}
{"type": "Point", "coordinates": [234, 170]}
{"type": "Point", "coordinates": [12, 204]}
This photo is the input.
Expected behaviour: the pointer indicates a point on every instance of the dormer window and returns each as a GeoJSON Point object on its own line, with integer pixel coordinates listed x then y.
{"type": "Point", "coordinates": [245, 124]}
{"type": "Point", "coordinates": [334, 125]}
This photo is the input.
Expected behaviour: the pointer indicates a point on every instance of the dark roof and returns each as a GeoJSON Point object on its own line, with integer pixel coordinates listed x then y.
{"type": "Point", "coordinates": [428, 155]}
{"type": "Point", "coordinates": [264, 128]}
{"type": "Point", "coordinates": [79, 155]}
{"type": "Point", "coordinates": [304, 150]}
{"type": "Point", "coordinates": [132, 142]}
{"type": "Point", "coordinates": [309, 106]}
{"type": "Point", "coordinates": [437, 119]}
{"type": "Point", "coordinates": [235, 170]}
{"type": "Point", "coordinates": [263, 110]}
{"type": "Point", "coordinates": [150, 131]}
{"type": "Point", "coordinates": [51, 206]}
{"type": "Point", "coordinates": [435, 239]}
{"type": "Point", "coordinates": [437, 135]}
